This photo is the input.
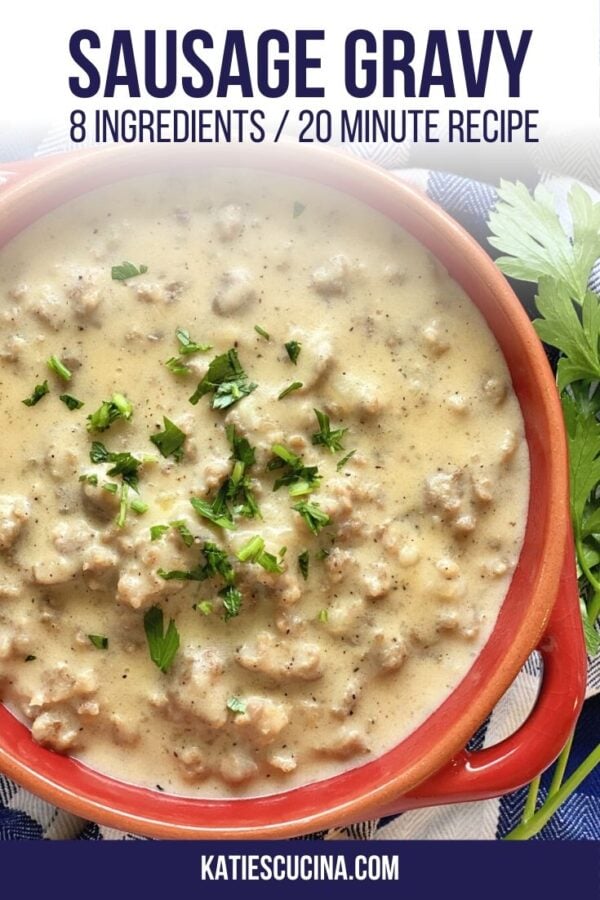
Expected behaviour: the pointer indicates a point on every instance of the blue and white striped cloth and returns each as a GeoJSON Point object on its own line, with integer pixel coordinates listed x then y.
{"type": "Point", "coordinates": [23, 816]}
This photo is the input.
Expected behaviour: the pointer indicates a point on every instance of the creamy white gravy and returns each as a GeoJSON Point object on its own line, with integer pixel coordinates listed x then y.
{"type": "Point", "coordinates": [425, 521]}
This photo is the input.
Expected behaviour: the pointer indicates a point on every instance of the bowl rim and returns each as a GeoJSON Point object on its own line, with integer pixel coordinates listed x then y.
{"type": "Point", "coordinates": [266, 817]}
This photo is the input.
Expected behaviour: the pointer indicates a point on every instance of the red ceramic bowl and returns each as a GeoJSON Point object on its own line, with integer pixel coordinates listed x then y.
{"type": "Point", "coordinates": [540, 610]}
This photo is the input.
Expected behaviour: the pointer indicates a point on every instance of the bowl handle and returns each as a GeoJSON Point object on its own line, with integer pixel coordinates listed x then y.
{"type": "Point", "coordinates": [480, 774]}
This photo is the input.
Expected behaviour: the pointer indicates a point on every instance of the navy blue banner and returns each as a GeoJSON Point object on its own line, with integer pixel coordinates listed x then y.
{"type": "Point", "coordinates": [152, 869]}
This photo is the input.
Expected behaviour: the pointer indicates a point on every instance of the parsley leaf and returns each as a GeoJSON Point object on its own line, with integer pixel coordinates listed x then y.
{"type": "Point", "coordinates": [327, 437]}
{"type": "Point", "coordinates": [125, 464]}
{"type": "Point", "coordinates": [187, 345]}
{"type": "Point", "coordinates": [298, 209]}
{"type": "Point", "coordinates": [109, 411]}
{"type": "Point", "coordinates": [226, 379]}
{"type": "Point", "coordinates": [293, 350]}
{"type": "Point", "coordinates": [205, 607]}
{"type": "Point", "coordinates": [59, 368]}
{"type": "Point", "coordinates": [215, 512]}
{"type": "Point", "coordinates": [99, 641]}
{"type": "Point", "coordinates": [216, 562]}
{"type": "Point", "coordinates": [127, 270]}
{"type": "Point", "coordinates": [170, 441]}
{"type": "Point", "coordinates": [313, 515]}
{"type": "Point", "coordinates": [158, 531]}
{"type": "Point", "coordinates": [162, 647]}
{"type": "Point", "coordinates": [303, 563]}
{"type": "Point", "coordinates": [39, 391]}
{"type": "Point", "coordinates": [241, 448]}
{"type": "Point", "coordinates": [294, 386]}
{"type": "Point", "coordinates": [71, 402]}
{"type": "Point", "coordinates": [232, 601]}
{"type": "Point", "coordinates": [177, 367]}
{"type": "Point", "coordinates": [180, 525]}
{"type": "Point", "coordinates": [344, 460]}
{"type": "Point", "coordinates": [235, 705]}
{"type": "Point", "coordinates": [530, 231]}
{"type": "Point", "coordinates": [576, 336]}
{"type": "Point", "coordinates": [299, 478]}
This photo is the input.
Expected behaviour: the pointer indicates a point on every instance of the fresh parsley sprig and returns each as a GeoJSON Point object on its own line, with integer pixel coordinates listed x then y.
{"type": "Point", "coordinates": [559, 257]}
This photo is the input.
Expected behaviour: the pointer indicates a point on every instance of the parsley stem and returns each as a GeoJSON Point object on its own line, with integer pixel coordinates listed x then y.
{"type": "Point", "coordinates": [531, 800]}
{"type": "Point", "coordinates": [594, 607]}
{"type": "Point", "coordinates": [560, 767]}
{"type": "Point", "coordinates": [527, 830]}
{"type": "Point", "coordinates": [585, 568]}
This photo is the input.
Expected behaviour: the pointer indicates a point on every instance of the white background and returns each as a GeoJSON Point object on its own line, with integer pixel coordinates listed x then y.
{"type": "Point", "coordinates": [560, 76]}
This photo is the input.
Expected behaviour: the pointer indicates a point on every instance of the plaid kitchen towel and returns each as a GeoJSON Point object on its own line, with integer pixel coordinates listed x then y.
{"type": "Point", "coordinates": [24, 816]}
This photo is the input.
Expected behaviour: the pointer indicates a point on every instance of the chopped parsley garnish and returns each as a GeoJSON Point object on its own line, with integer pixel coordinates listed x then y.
{"type": "Point", "coordinates": [71, 402]}
{"type": "Point", "coordinates": [294, 386]}
{"type": "Point", "coordinates": [30, 657]}
{"type": "Point", "coordinates": [177, 367]}
{"type": "Point", "coordinates": [237, 490]}
{"type": "Point", "coordinates": [216, 512]}
{"type": "Point", "coordinates": [226, 379]}
{"type": "Point", "coordinates": [293, 350]}
{"type": "Point", "coordinates": [254, 551]}
{"type": "Point", "coordinates": [327, 437]}
{"type": "Point", "coordinates": [303, 563]}
{"type": "Point", "coordinates": [170, 441]}
{"type": "Point", "coordinates": [123, 505]}
{"type": "Point", "coordinates": [232, 601]}
{"type": "Point", "coordinates": [99, 641]}
{"type": "Point", "coordinates": [184, 532]}
{"type": "Point", "coordinates": [323, 616]}
{"type": "Point", "coordinates": [59, 368]}
{"type": "Point", "coordinates": [345, 460]}
{"type": "Point", "coordinates": [241, 449]}
{"type": "Point", "coordinates": [216, 562]}
{"type": "Point", "coordinates": [300, 479]}
{"type": "Point", "coordinates": [125, 464]}
{"type": "Point", "coordinates": [235, 496]}
{"type": "Point", "coordinates": [89, 479]}
{"type": "Point", "coordinates": [110, 487]}
{"type": "Point", "coordinates": [139, 507]}
{"type": "Point", "coordinates": [235, 705]}
{"type": "Point", "coordinates": [158, 531]}
{"type": "Point", "coordinates": [109, 411]}
{"type": "Point", "coordinates": [313, 515]}
{"type": "Point", "coordinates": [262, 332]}
{"type": "Point", "coordinates": [187, 345]}
{"type": "Point", "coordinates": [127, 270]}
{"type": "Point", "coordinates": [298, 209]}
{"type": "Point", "coordinates": [205, 607]}
{"type": "Point", "coordinates": [39, 391]}
{"type": "Point", "coordinates": [162, 646]}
